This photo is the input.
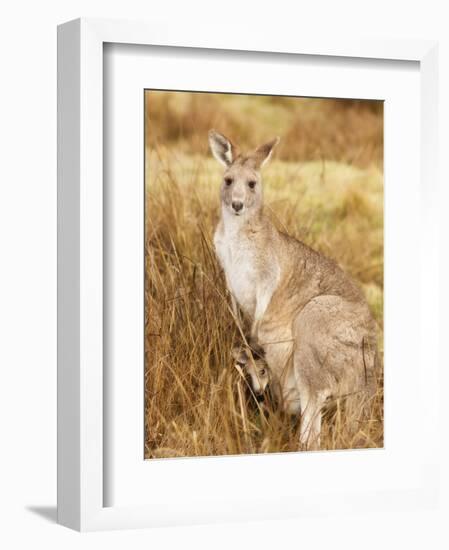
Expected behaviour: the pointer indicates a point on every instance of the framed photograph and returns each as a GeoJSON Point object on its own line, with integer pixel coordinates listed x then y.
{"type": "Point", "coordinates": [246, 243]}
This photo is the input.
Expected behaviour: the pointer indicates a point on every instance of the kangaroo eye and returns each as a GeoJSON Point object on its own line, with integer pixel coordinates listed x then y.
{"type": "Point", "coordinates": [251, 184]}
{"type": "Point", "coordinates": [228, 181]}
{"type": "Point", "coordinates": [262, 372]}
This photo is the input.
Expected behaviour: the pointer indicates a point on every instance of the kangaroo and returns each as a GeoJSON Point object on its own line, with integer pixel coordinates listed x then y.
{"type": "Point", "coordinates": [311, 319]}
{"type": "Point", "coordinates": [254, 367]}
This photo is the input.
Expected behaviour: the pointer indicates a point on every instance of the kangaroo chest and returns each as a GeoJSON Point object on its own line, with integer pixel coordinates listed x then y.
{"type": "Point", "coordinates": [249, 276]}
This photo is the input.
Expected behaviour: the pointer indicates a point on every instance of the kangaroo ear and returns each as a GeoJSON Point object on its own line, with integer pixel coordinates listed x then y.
{"type": "Point", "coordinates": [240, 355]}
{"type": "Point", "coordinates": [222, 148]}
{"type": "Point", "coordinates": [263, 153]}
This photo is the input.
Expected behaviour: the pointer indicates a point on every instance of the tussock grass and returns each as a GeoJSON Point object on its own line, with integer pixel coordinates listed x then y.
{"type": "Point", "coordinates": [196, 402]}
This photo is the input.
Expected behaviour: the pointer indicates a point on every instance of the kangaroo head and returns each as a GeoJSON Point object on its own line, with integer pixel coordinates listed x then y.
{"type": "Point", "coordinates": [241, 188]}
{"type": "Point", "coordinates": [254, 368]}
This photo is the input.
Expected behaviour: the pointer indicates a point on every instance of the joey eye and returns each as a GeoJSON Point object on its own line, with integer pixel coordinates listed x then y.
{"type": "Point", "coordinates": [251, 184]}
{"type": "Point", "coordinates": [262, 372]}
{"type": "Point", "coordinates": [228, 181]}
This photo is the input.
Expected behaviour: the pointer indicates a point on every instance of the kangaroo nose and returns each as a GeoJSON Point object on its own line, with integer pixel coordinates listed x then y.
{"type": "Point", "coordinates": [237, 205]}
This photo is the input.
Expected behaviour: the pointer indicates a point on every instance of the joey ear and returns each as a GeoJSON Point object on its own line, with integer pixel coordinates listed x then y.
{"type": "Point", "coordinates": [240, 355]}
{"type": "Point", "coordinates": [222, 148]}
{"type": "Point", "coordinates": [263, 153]}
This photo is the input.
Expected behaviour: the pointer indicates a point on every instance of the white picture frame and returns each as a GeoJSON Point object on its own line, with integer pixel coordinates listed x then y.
{"type": "Point", "coordinates": [81, 408]}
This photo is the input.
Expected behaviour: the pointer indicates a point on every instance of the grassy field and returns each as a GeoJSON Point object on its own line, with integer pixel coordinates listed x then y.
{"type": "Point", "coordinates": [324, 186]}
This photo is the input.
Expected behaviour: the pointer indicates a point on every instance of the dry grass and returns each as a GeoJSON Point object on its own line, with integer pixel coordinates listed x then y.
{"type": "Point", "coordinates": [349, 131]}
{"type": "Point", "coordinates": [196, 402]}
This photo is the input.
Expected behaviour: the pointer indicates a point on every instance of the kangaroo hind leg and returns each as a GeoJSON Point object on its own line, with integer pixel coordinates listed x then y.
{"type": "Point", "coordinates": [310, 427]}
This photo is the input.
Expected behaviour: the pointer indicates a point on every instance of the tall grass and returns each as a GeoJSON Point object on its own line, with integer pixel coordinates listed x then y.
{"type": "Point", "coordinates": [196, 403]}
{"type": "Point", "coordinates": [349, 131]}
